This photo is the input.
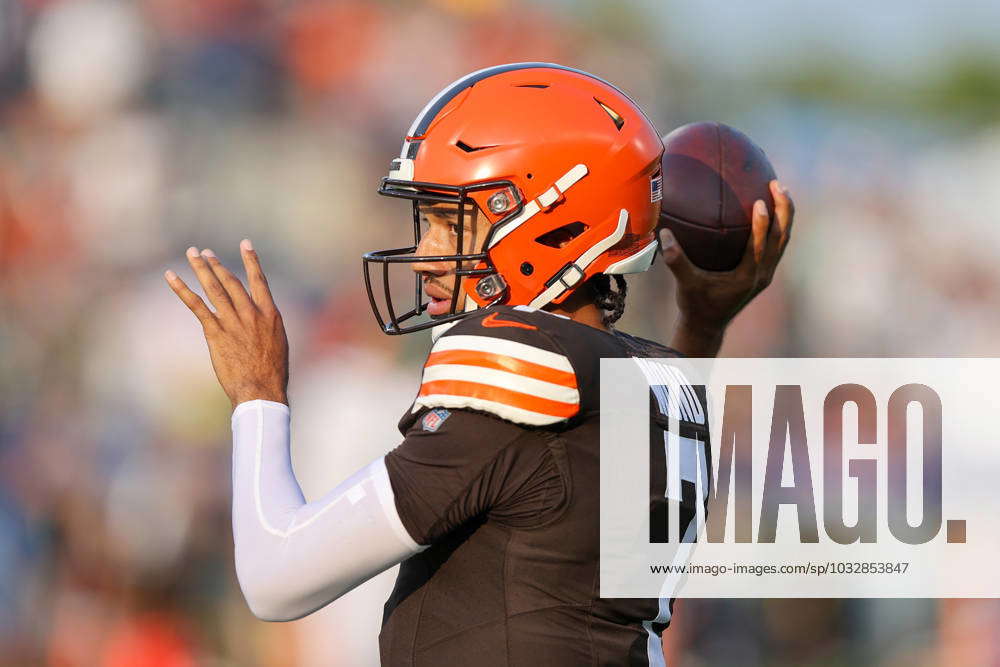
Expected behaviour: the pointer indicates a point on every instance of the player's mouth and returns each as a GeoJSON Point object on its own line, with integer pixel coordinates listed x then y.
{"type": "Point", "coordinates": [440, 300]}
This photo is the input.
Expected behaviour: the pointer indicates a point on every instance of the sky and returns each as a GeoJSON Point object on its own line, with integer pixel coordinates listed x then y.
{"type": "Point", "coordinates": [896, 36]}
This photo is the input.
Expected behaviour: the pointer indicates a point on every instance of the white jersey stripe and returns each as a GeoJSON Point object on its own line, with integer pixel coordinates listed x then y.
{"type": "Point", "coordinates": [654, 642]}
{"type": "Point", "coordinates": [503, 380]}
{"type": "Point", "coordinates": [654, 646]}
{"type": "Point", "coordinates": [505, 347]}
{"type": "Point", "coordinates": [502, 410]}
{"type": "Point", "coordinates": [689, 449]}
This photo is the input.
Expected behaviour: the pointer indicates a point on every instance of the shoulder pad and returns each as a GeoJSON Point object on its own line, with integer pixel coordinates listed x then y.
{"type": "Point", "coordinates": [500, 363]}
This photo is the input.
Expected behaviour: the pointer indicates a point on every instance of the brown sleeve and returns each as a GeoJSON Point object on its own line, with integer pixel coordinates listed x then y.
{"type": "Point", "coordinates": [474, 465]}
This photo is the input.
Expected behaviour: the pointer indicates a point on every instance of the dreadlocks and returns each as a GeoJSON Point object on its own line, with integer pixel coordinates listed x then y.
{"type": "Point", "coordinates": [611, 301]}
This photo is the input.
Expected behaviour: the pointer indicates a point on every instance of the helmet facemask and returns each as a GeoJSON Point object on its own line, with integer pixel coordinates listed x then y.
{"type": "Point", "coordinates": [472, 269]}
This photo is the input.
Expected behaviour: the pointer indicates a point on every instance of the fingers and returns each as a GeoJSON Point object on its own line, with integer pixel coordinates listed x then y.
{"type": "Point", "coordinates": [784, 212]}
{"type": "Point", "coordinates": [234, 288]}
{"type": "Point", "coordinates": [772, 250]}
{"type": "Point", "coordinates": [210, 283]}
{"type": "Point", "coordinates": [675, 258]}
{"type": "Point", "coordinates": [190, 299]}
{"type": "Point", "coordinates": [760, 226]}
{"type": "Point", "coordinates": [256, 279]}
{"type": "Point", "coordinates": [757, 243]}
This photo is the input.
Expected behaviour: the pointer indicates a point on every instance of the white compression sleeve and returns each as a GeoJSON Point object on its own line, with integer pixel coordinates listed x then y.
{"type": "Point", "coordinates": [293, 557]}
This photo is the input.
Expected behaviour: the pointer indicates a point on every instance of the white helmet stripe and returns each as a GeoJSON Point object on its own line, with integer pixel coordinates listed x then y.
{"type": "Point", "coordinates": [427, 114]}
{"type": "Point", "coordinates": [544, 200]}
{"type": "Point", "coordinates": [445, 95]}
{"type": "Point", "coordinates": [566, 281]}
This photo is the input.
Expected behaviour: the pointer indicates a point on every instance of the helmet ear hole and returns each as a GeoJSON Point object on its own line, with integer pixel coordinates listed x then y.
{"type": "Point", "coordinates": [559, 237]}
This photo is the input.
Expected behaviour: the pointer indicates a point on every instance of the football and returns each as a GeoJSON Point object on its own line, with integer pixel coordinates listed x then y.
{"type": "Point", "coordinates": [712, 175]}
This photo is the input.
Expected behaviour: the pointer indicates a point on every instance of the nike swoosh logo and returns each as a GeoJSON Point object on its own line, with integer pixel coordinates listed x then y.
{"type": "Point", "coordinates": [492, 321]}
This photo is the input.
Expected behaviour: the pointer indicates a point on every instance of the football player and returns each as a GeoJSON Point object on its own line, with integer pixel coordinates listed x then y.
{"type": "Point", "coordinates": [534, 189]}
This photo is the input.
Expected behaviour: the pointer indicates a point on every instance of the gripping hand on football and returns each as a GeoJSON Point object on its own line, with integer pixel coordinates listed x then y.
{"type": "Point", "coordinates": [709, 300]}
{"type": "Point", "coordinates": [245, 334]}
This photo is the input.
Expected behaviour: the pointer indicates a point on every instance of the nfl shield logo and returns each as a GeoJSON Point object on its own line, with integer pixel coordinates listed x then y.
{"type": "Point", "coordinates": [432, 420]}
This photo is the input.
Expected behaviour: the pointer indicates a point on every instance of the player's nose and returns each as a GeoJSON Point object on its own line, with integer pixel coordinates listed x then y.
{"type": "Point", "coordinates": [436, 269]}
{"type": "Point", "coordinates": [430, 246]}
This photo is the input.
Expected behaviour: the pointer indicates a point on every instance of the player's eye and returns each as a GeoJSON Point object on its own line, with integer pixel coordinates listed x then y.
{"type": "Point", "coordinates": [429, 223]}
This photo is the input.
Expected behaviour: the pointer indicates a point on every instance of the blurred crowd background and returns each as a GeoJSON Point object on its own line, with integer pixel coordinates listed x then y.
{"type": "Point", "coordinates": [132, 129]}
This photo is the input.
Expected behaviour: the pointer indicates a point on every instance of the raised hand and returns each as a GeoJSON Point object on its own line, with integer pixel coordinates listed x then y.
{"type": "Point", "coordinates": [245, 334]}
{"type": "Point", "coordinates": [709, 300]}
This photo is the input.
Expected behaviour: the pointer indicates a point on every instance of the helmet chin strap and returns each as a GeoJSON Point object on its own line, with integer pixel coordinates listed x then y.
{"type": "Point", "coordinates": [567, 277]}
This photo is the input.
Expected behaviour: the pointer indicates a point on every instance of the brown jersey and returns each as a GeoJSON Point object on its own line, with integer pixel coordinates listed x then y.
{"type": "Point", "coordinates": [499, 475]}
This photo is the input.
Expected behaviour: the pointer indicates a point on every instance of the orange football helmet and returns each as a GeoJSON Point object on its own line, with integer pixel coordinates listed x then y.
{"type": "Point", "coordinates": [539, 149]}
